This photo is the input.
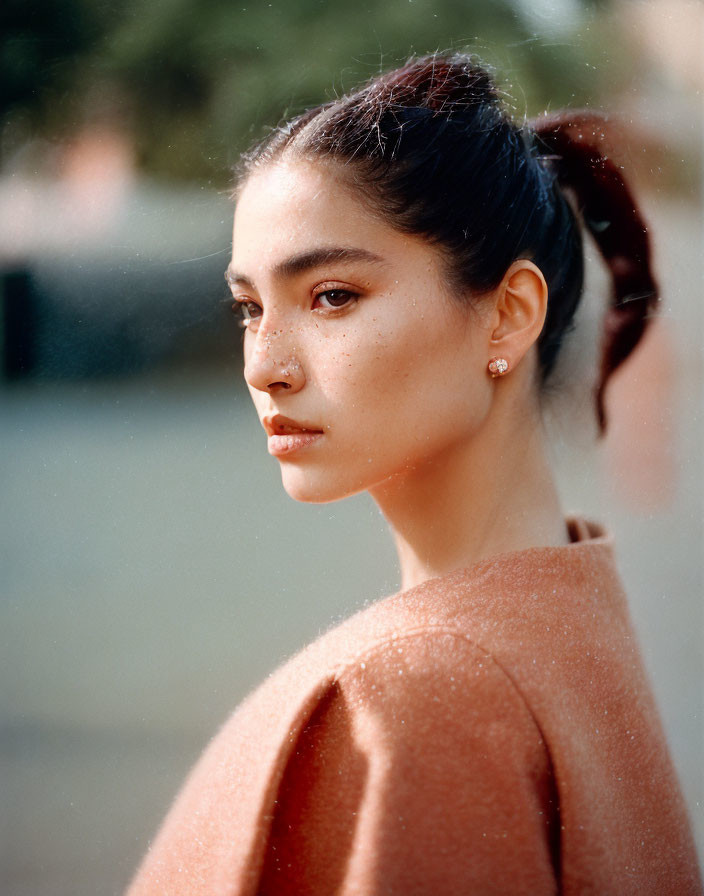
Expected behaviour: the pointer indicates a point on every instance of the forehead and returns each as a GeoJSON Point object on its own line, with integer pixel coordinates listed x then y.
{"type": "Point", "coordinates": [292, 207]}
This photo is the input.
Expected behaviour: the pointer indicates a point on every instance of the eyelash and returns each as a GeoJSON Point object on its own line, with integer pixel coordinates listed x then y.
{"type": "Point", "coordinates": [244, 307]}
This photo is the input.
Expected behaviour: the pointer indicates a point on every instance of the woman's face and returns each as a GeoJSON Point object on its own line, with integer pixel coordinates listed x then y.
{"type": "Point", "coordinates": [361, 365]}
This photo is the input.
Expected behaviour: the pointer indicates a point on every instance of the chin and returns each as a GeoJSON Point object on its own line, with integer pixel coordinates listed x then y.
{"type": "Point", "coordinates": [308, 487]}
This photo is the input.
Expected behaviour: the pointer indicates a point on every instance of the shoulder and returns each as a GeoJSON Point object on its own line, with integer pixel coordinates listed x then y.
{"type": "Point", "coordinates": [429, 669]}
{"type": "Point", "coordinates": [428, 684]}
{"type": "Point", "coordinates": [432, 698]}
{"type": "Point", "coordinates": [420, 739]}
{"type": "Point", "coordinates": [395, 672]}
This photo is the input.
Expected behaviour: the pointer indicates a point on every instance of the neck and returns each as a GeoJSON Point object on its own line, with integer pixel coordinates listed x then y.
{"type": "Point", "coordinates": [494, 494]}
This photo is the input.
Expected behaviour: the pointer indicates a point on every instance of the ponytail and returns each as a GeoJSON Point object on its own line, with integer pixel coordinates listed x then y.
{"type": "Point", "coordinates": [572, 145]}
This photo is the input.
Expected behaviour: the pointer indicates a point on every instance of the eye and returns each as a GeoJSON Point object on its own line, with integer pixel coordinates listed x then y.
{"type": "Point", "coordinates": [335, 298]}
{"type": "Point", "coordinates": [246, 310]}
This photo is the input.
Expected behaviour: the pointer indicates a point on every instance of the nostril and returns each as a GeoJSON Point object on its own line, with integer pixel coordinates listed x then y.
{"type": "Point", "coordinates": [282, 384]}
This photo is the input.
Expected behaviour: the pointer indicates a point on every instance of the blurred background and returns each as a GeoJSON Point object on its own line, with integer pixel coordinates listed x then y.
{"type": "Point", "coordinates": [152, 569]}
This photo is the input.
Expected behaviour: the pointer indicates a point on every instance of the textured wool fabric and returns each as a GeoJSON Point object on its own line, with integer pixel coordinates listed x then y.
{"type": "Point", "coordinates": [490, 731]}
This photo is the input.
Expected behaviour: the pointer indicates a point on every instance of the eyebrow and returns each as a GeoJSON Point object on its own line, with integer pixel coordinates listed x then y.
{"type": "Point", "coordinates": [305, 261]}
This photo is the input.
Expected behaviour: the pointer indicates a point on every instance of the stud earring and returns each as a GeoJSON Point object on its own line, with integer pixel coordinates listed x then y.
{"type": "Point", "coordinates": [498, 366]}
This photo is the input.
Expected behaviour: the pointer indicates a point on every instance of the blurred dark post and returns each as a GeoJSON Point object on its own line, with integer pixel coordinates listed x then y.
{"type": "Point", "coordinates": [18, 323]}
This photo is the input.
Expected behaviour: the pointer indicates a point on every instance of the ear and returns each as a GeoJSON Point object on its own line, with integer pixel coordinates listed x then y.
{"type": "Point", "coordinates": [521, 302]}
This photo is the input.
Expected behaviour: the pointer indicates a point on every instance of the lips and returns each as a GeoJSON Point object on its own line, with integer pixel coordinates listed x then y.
{"type": "Point", "coordinates": [287, 436]}
{"type": "Point", "coordinates": [278, 425]}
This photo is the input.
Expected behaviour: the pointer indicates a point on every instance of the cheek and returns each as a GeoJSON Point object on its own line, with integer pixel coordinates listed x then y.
{"type": "Point", "coordinates": [360, 368]}
{"type": "Point", "coordinates": [409, 383]}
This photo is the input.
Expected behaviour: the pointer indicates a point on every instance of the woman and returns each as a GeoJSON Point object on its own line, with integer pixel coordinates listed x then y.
{"type": "Point", "coordinates": [407, 264]}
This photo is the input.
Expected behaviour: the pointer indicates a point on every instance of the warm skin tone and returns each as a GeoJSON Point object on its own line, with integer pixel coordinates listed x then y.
{"type": "Point", "coordinates": [370, 348]}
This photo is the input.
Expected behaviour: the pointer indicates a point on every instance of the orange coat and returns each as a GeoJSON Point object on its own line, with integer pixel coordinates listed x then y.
{"type": "Point", "coordinates": [491, 731]}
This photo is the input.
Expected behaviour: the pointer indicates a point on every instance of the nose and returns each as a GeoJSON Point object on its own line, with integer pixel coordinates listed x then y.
{"type": "Point", "coordinates": [271, 364]}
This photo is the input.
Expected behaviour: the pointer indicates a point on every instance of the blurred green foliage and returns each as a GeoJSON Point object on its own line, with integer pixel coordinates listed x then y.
{"type": "Point", "coordinates": [198, 80]}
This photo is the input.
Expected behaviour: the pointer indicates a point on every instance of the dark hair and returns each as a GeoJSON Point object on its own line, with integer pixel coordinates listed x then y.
{"type": "Point", "coordinates": [433, 149]}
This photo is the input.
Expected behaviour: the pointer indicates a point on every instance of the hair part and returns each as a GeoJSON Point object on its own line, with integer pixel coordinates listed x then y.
{"type": "Point", "coordinates": [432, 149]}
